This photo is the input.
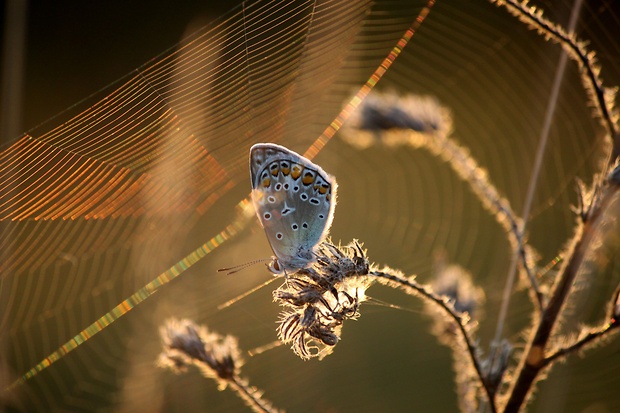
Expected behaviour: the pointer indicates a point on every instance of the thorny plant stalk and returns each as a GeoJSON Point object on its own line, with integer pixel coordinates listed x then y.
{"type": "Point", "coordinates": [602, 98]}
{"type": "Point", "coordinates": [533, 182]}
{"type": "Point", "coordinates": [461, 320]}
{"type": "Point", "coordinates": [591, 213]}
{"type": "Point", "coordinates": [531, 188]}
{"type": "Point", "coordinates": [534, 359]}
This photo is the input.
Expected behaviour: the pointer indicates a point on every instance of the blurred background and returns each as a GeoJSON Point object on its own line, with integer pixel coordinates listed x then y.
{"type": "Point", "coordinates": [131, 152]}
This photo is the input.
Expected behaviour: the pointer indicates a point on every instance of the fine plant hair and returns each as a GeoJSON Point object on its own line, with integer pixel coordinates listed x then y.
{"type": "Point", "coordinates": [317, 300]}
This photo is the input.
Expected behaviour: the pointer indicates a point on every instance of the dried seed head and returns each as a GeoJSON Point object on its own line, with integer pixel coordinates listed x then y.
{"type": "Point", "coordinates": [186, 343]}
{"type": "Point", "coordinates": [317, 300]}
{"type": "Point", "coordinates": [391, 111]}
{"type": "Point", "coordinates": [456, 284]}
{"type": "Point", "coordinates": [394, 120]}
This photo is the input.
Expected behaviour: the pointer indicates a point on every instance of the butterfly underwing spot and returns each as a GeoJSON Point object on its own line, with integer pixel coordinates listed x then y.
{"type": "Point", "coordinates": [308, 177]}
{"type": "Point", "coordinates": [321, 216]}
{"type": "Point", "coordinates": [304, 197]}
{"type": "Point", "coordinates": [274, 168]}
{"type": "Point", "coordinates": [294, 227]}
{"type": "Point", "coordinates": [271, 199]}
{"type": "Point", "coordinates": [279, 235]}
{"type": "Point", "coordinates": [278, 186]}
{"type": "Point", "coordinates": [315, 201]}
{"type": "Point", "coordinates": [265, 179]}
{"type": "Point", "coordinates": [267, 216]}
{"type": "Point", "coordinates": [296, 171]}
{"type": "Point", "coordinates": [285, 168]}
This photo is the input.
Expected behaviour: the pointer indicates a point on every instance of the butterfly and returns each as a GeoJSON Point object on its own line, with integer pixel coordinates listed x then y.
{"type": "Point", "coordinates": [294, 200]}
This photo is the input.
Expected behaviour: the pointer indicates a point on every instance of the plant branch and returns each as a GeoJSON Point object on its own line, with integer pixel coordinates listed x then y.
{"type": "Point", "coordinates": [577, 51]}
{"type": "Point", "coordinates": [251, 396]}
{"type": "Point", "coordinates": [588, 338]}
{"type": "Point", "coordinates": [465, 166]}
{"type": "Point", "coordinates": [534, 360]}
{"type": "Point", "coordinates": [408, 285]}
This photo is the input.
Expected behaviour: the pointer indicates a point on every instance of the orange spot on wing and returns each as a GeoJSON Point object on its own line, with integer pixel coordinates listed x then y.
{"type": "Point", "coordinates": [285, 169]}
{"type": "Point", "coordinates": [308, 178]}
{"type": "Point", "coordinates": [296, 171]}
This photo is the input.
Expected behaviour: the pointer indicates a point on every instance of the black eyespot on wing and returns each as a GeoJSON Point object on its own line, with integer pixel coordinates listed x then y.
{"type": "Point", "coordinates": [286, 211]}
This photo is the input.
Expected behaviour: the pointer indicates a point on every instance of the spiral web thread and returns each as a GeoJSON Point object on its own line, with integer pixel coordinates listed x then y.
{"type": "Point", "coordinates": [97, 178]}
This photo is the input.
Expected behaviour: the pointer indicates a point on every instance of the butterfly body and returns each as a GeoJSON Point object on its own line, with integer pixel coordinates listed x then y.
{"type": "Point", "coordinates": [294, 200]}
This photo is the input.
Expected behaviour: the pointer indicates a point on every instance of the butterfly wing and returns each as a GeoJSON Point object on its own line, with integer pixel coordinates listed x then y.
{"type": "Point", "coordinates": [294, 200]}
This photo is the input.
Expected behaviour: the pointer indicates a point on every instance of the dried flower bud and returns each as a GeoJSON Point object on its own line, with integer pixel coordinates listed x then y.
{"type": "Point", "coordinates": [186, 343]}
{"type": "Point", "coordinates": [317, 300]}
{"type": "Point", "coordinates": [456, 284]}
{"type": "Point", "coordinates": [390, 111]}
{"type": "Point", "coordinates": [217, 357]}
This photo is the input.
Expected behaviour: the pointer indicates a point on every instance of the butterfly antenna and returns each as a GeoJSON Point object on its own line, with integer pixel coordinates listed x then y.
{"type": "Point", "coordinates": [245, 294]}
{"type": "Point", "coordinates": [237, 268]}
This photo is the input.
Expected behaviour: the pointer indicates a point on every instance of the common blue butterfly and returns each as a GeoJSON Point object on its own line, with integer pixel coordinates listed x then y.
{"type": "Point", "coordinates": [294, 200]}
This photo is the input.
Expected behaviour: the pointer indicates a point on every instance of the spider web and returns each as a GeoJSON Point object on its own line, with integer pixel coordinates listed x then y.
{"type": "Point", "coordinates": [119, 188]}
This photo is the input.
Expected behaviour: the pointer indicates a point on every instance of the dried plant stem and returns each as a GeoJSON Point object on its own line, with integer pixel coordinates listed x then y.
{"type": "Point", "coordinates": [411, 287]}
{"type": "Point", "coordinates": [250, 395]}
{"type": "Point", "coordinates": [577, 51]}
{"type": "Point", "coordinates": [467, 168]}
{"type": "Point", "coordinates": [534, 357]}
{"type": "Point", "coordinates": [531, 188]}
{"type": "Point", "coordinates": [592, 336]}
